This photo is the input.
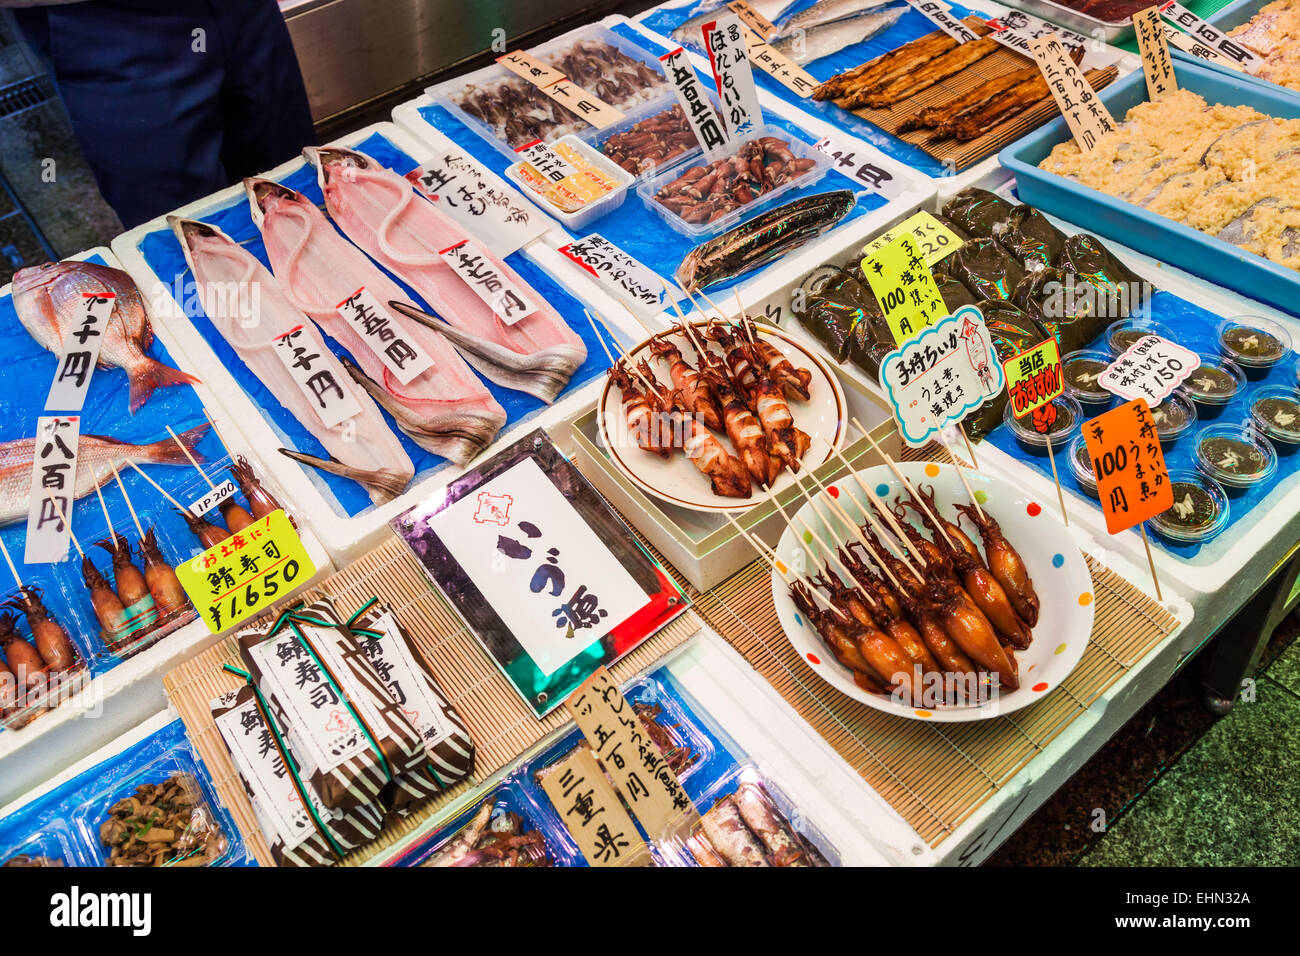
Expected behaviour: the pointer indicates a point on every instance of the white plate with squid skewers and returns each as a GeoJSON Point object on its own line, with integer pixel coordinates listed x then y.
{"type": "Point", "coordinates": [1017, 558]}
{"type": "Point", "coordinates": [721, 474]}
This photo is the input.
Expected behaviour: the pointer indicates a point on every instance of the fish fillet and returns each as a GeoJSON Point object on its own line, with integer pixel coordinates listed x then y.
{"type": "Point", "coordinates": [381, 212]}
{"type": "Point", "coordinates": [445, 409]}
{"type": "Point", "coordinates": [363, 447]}
{"type": "Point", "coordinates": [940, 68]}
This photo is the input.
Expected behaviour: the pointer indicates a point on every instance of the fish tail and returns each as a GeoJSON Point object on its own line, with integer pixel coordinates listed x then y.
{"type": "Point", "coordinates": [150, 374]}
{"type": "Point", "coordinates": [167, 452]}
{"type": "Point", "coordinates": [382, 484]}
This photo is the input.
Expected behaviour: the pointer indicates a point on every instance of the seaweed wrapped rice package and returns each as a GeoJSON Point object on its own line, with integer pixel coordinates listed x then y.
{"type": "Point", "coordinates": [299, 829]}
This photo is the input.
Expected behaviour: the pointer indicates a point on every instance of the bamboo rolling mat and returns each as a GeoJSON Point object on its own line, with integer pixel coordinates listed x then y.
{"type": "Point", "coordinates": [1001, 61]}
{"type": "Point", "coordinates": [502, 727]}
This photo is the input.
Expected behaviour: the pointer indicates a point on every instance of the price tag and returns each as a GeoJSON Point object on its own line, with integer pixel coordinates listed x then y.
{"type": "Point", "coordinates": [1132, 480]}
{"type": "Point", "coordinates": [709, 132]}
{"type": "Point", "coordinates": [80, 352]}
{"type": "Point", "coordinates": [214, 497]}
{"type": "Point", "coordinates": [937, 378]}
{"type": "Point", "coordinates": [561, 89]}
{"type": "Point", "coordinates": [247, 573]}
{"type": "Point", "coordinates": [630, 280]}
{"type": "Point", "coordinates": [935, 240]}
{"type": "Point", "coordinates": [904, 287]}
{"type": "Point", "coordinates": [318, 375]}
{"type": "Point", "coordinates": [1187, 44]}
{"type": "Point", "coordinates": [1211, 36]}
{"type": "Point", "coordinates": [1084, 112]}
{"type": "Point", "coordinates": [753, 19]}
{"type": "Point", "coordinates": [1154, 51]}
{"type": "Point", "coordinates": [592, 812]}
{"type": "Point", "coordinates": [632, 760]}
{"type": "Point", "coordinates": [1151, 368]}
{"type": "Point", "coordinates": [939, 14]}
{"type": "Point", "coordinates": [779, 66]}
{"type": "Point", "coordinates": [1016, 30]}
{"type": "Point", "coordinates": [54, 473]}
{"type": "Point", "coordinates": [1034, 380]}
{"type": "Point", "coordinates": [491, 284]}
{"type": "Point", "coordinates": [724, 39]}
{"type": "Point", "coordinates": [546, 161]}
{"type": "Point", "coordinates": [855, 163]}
{"type": "Point", "coordinates": [384, 336]}
{"type": "Point", "coordinates": [468, 194]}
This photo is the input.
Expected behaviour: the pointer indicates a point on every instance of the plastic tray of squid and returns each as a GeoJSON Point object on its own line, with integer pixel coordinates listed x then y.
{"type": "Point", "coordinates": [1028, 278]}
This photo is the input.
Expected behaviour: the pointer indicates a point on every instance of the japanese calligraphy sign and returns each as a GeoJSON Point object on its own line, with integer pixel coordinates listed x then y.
{"type": "Point", "coordinates": [1151, 368]}
{"type": "Point", "coordinates": [54, 473]}
{"type": "Point", "coordinates": [1154, 51]}
{"type": "Point", "coordinates": [592, 812]}
{"type": "Point", "coordinates": [246, 573]}
{"type": "Point", "coordinates": [630, 280]}
{"type": "Point", "coordinates": [80, 352]}
{"type": "Point", "coordinates": [619, 739]}
{"type": "Point", "coordinates": [940, 14]}
{"type": "Point", "coordinates": [935, 240]}
{"type": "Point", "coordinates": [496, 288]}
{"type": "Point", "coordinates": [904, 287]}
{"type": "Point", "coordinates": [937, 378]}
{"type": "Point", "coordinates": [561, 89]}
{"type": "Point", "coordinates": [546, 161]}
{"type": "Point", "coordinates": [1078, 102]}
{"type": "Point", "coordinates": [779, 66]}
{"type": "Point", "coordinates": [709, 132]}
{"type": "Point", "coordinates": [214, 497]}
{"type": "Point", "coordinates": [753, 19]}
{"type": "Point", "coordinates": [468, 194]}
{"type": "Point", "coordinates": [1212, 37]}
{"type": "Point", "coordinates": [1034, 378]}
{"type": "Point", "coordinates": [856, 163]}
{"type": "Point", "coordinates": [724, 39]}
{"type": "Point", "coordinates": [317, 374]}
{"type": "Point", "coordinates": [384, 336]}
{"type": "Point", "coordinates": [1188, 44]}
{"type": "Point", "coordinates": [1016, 30]}
{"type": "Point", "coordinates": [1132, 480]}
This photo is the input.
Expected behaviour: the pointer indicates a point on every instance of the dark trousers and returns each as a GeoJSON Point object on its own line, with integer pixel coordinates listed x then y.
{"type": "Point", "coordinates": [174, 99]}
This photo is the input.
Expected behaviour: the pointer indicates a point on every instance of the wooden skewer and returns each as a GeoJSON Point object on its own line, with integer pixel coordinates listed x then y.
{"type": "Point", "coordinates": [1146, 543]}
{"type": "Point", "coordinates": [193, 461]}
{"type": "Point", "coordinates": [157, 487]}
{"type": "Point", "coordinates": [900, 547]}
{"type": "Point", "coordinates": [687, 329]}
{"type": "Point", "coordinates": [961, 473]}
{"type": "Point", "coordinates": [63, 516]}
{"type": "Point", "coordinates": [744, 326]}
{"type": "Point", "coordinates": [893, 466]}
{"type": "Point", "coordinates": [10, 561]}
{"type": "Point", "coordinates": [843, 515]}
{"type": "Point", "coordinates": [216, 431]}
{"type": "Point", "coordinates": [601, 339]}
{"type": "Point", "coordinates": [851, 582]}
{"type": "Point", "coordinates": [786, 574]}
{"type": "Point", "coordinates": [112, 532]}
{"type": "Point", "coordinates": [626, 360]}
{"type": "Point", "coordinates": [970, 449]}
{"type": "Point", "coordinates": [1060, 492]}
{"type": "Point", "coordinates": [636, 318]}
{"type": "Point", "coordinates": [130, 507]}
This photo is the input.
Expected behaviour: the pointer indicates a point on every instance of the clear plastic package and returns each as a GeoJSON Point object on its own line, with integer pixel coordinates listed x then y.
{"type": "Point", "coordinates": [590, 211]}
{"type": "Point", "coordinates": [653, 137]}
{"type": "Point", "coordinates": [1214, 384]}
{"type": "Point", "coordinates": [1254, 342]}
{"type": "Point", "coordinates": [52, 845]}
{"type": "Point", "coordinates": [651, 188]}
{"type": "Point", "coordinates": [1069, 418]}
{"type": "Point", "coordinates": [1275, 409]}
{"type": "Point", "coordinates": [1235, 457]}
{"type": "Point", "coordinates": [1199, 512]}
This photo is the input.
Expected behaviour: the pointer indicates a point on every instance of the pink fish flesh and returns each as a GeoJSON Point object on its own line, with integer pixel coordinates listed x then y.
{"type": "Point", "coordinates": [362, 447]}
{"type": "Point", "coordinates": [382, 213]}
{"type": "Point", "coordinates": [445, 409]}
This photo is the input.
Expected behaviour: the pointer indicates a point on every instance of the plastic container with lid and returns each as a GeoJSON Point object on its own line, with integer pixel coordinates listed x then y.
{"type": "Point", "coordinates": [666, 130]}
{"type": "Point", "coordinates": [1214, 384]}
{"type": "Point", "coordinates": [1199, 512]}
{"type": "Point", "coordinates": [650, 186]}
{"type": "Point", "coordinates": [1275, 409]}
{"type": "Point", "coordinates": [1122, 335]}
{"type": "Point", "coordinates": [1081, 369]}
{"type": "Point", "coordinates": [1236, 457]}
{"type": "Point", "coordinates": [1081, 466]}
{"type": "Point", "coordinates": [1173, 417]}
{"type": "Point", "coordinates": [1069, 418]}
{"type": "Point", "coordinates": [620, 178]}
{"type": "Point", "coordinates": [1254, 342]}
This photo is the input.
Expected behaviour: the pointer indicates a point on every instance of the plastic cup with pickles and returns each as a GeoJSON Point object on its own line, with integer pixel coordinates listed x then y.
{"type": "Point", "coordinates": [1213, 385]}
{"type": "Point", "coordinates": [1275, 410]}
{"type": "Point", "coordinates": [1199, 512]}
{"type": "Point", "coordinates": [1254, 342]}
{"type": "Point", "coordinates": [1236, 456]}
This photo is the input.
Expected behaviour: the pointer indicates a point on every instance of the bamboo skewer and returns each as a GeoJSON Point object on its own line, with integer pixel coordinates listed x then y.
{"type": "Point", "coordinates": [843, 515]}
{"type": "Point", "coordinates": [63, 516]}
{"type": "Point", "coordinates": [216, 431]}
{"type": "Point", "coordinates": [970, 449]}
{"type": "Point", "coordinates": [851, 583]}
{"type": "Point", "coordinates": [192, 459]}
{"type": "Point", "coordinates": [112, 532]}
{"type": "Point", "coordinates": [127, 499]}
{"type": "Point", "coordinates": [157, 487]}
{"type": "Point", "coordinates": [893, 466]}
{"type": "Point", "coordinates": [626, 361]}
{"type": "Point", "coordinates": [10, 561]}
{"type": "Point", "coordinates": [786, 574]}
{"type": "Point", "coordinates": [961, 473]}
{"type": "Point", "coordinates": [849, 521]}
{"type": "Point", "coordinates": [899, 547]}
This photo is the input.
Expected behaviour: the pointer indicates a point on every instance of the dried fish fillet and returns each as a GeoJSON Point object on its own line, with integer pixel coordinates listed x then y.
{"type": "Point", "coordinates": [924, 77]}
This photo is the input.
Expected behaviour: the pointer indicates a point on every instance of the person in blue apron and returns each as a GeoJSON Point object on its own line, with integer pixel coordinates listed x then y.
{"type": "Point", "coordinates": [172, 99]}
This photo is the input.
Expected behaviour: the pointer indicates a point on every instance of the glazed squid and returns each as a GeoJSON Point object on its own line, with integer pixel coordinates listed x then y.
{"type": "Point", "coordinates": [793, 380]}
{"type": "Point", "coordinates": [1006, 564]}
{"type": "Point", "coordinates": [643, 419]}
{"type": "Point", "coordinates": [745, 431]}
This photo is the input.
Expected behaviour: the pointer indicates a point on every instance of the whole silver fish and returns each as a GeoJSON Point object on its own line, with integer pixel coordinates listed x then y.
{"type": "Point", "coordinates": [688, 32]}
{"type": "Point", "coordinates": [805, 44]}
{"type": "Point", "coordinates": [730, 837]}
{"type": "Point", "coordinates": [49, 298]}
{"type": "Point", "coordinates": [97, 456]}
{"type": "Point", "coordinates": [827, 11]}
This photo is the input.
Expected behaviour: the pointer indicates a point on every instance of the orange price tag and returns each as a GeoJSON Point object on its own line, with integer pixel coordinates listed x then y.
{"type": "Point", "coordinates": [1132, 480]}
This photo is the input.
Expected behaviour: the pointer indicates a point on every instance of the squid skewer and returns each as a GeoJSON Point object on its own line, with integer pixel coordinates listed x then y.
{"type": "Point", "coordinates": [237, 517]}
{"type": "Point", "coordinates": [103, 600]}
{"type": "Point", "coordinates": [637, 412]}
{"type": "Point", "coordinates": [893, 466]}
{"type": "Point", "coordinates": [1006, 565]}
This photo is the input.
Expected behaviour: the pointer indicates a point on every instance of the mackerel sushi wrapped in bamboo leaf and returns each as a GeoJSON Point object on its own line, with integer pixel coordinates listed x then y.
{"type": "Point", "coordinates": [977, 212]}
{"type": "Point", "coordinates": [1030, 239]}
{"type": "Point", "coordinates": [1011, 331]}
{"type": "Point", "coordinates": [986, 269]}
{"type": "Point", "coordinates": [1123, 290]}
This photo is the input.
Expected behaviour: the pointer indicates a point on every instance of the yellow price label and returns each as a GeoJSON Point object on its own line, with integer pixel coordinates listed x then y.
{"type": "Point", "coordinates": [1034, 377]}
{"type": "Point", "coordinates": [246, 573]}
{"type": "Point", "coordinates": [904, 286]}
{"type": "Point", "coordinates": [935, 239]}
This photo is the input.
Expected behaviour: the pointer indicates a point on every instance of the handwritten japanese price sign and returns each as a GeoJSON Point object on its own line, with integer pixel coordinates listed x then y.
{"type": "Point", "coordinates": [935, 240]}
{"type": "Point", "coordinates": [708, 128]}
{"type": "Point", "coordinates": [318, 375]}
{"type": "Point", "coordinates": [941, 16]}
{"type": "Point", "coordinates": [619, 739]}
{"type": "Point", "coordinates": [385, 336]}
{"type": "Point", "coordinates": [725, 41]}
{"type": "Point", "coordinates": [1017, 30]}
{"type": "Point", "coordinates": [1132, 480]}
{"type": "Point", "coordinates": [54, 474]}
{"type": "Point", "coordinates": [779, 66]}
{"type": "Point", "coordinates": [494, 286]}
{"type": "Point", "coordinates": [1154, 51]}
{"type": "Point", "coordinates": [1176, 37]}
{"type": "Point", "coordinates": [561, 89]}
{"type": "Point", "coordinates": [201, 506]}
{"type": "Point", "coordinates": [904, 286]}
{"type": "Point", "coordinates": [753, 19]}
{"type": "Point", "coordinates": [80, 352]}
{"type": "Point", "coordinates": [592, 812]}
{"type": "Point", "coordinates": [1151, 368]}
{"type": "Point", "coordinates": [937, 378]}
{"type": "Point", "coordinates": [1034, 378]}
{"type": "Point", "coordinates": [1211, 36]}
{"type": "Point", "coordinates": [1078, 102]}
{"type": "Point", "coordinates": [494, 213]}
{"type": "Point", "coordinates": [246, 573]}
{"type": "Point", "coordinates": [856, 164]}
{"type": "Point", "coordinates": [630, 280]}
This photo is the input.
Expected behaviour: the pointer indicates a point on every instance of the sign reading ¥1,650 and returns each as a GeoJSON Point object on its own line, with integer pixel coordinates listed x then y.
{"type": "Point", "coordinates": [247, 573]}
